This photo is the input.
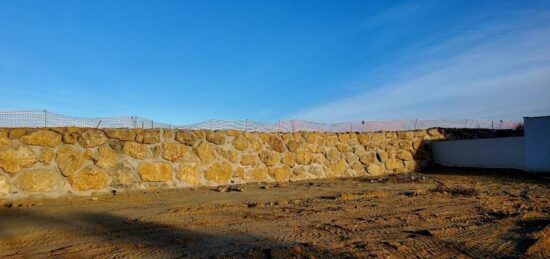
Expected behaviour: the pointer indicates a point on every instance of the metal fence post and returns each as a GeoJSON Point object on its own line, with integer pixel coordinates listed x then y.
{"type": "Point", "coordinates": [45, 118]}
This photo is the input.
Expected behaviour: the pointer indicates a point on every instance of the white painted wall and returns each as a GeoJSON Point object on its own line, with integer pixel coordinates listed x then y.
{"type": "Point", "coordinates": [537, 143]}
{"type": "Point", "coordinates": [506, 152]}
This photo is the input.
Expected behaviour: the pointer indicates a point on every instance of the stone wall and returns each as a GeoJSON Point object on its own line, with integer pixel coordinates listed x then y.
{"type": "Point", "coordinates": [79, 161]}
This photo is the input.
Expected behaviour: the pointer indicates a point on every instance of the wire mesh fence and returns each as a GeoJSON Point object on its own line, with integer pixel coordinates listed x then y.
{"type": "Point", "coordinates": [43, 118]}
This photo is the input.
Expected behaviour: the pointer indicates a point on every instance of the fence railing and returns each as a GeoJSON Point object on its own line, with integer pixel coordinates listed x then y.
{"type": "Point", "coordinates": [36, 119]}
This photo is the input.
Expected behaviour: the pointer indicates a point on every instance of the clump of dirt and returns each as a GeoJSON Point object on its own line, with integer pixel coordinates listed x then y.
{"type": "Point", "coordinates": [455, 190]}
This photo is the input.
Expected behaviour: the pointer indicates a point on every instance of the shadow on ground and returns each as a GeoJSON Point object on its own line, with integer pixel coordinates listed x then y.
{"type": "Point", "coordinates": [105, 234]}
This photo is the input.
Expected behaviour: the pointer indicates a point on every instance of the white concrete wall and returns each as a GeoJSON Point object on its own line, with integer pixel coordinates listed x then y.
{"type": "Point", "coordinates": [537, 144]}
{"type": "Point", "coordinates": [481, 153]}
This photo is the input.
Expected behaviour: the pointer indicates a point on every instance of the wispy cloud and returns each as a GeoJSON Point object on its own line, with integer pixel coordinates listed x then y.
{"type": "Point", "coordinates": [497, 72]}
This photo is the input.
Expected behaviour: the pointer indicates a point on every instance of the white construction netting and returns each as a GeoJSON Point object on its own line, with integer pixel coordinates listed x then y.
{"type": "Point", "coordinates": [35, 119]}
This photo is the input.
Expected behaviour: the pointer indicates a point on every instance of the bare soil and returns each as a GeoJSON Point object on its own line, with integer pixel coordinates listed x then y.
{"type": "Point", "coordinates": [446, 214]}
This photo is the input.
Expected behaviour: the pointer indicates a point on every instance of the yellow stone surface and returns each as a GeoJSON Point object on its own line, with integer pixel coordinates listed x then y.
{"type": "Point", "coordinates": [4, 184]}
{"type": "Point", "coordinates": [121, 134]}
{"type": "Point", "coordinates": [105, 157]}
{"type": "Point", "coordinates": [92, 138]}
{"type": "Point", "coordinates": [148, 136]}
{"type": "Point", "coordinates": [363, 139]}
{"type": "Point", "coordinates": [276, 144]}
{"type": "Point", "coordinates": [89, 178]}
{"type": "Point", "coordinates": [404, 155]}
{"type": "Point", "coordinates": [69, 159]}
{"type": "Point", "coordinates": [215, 137]}
{"type": "Point", "coordinates": [122, 175]}
{"type": "Point", "coordinates": [338, 168]}
{"type": "Point", "coordinates": [258, 174]}
{"type": "Point", "coordinates": [155, 171]}
{"type": "Point", "coordinates": [230, 155]}
{"type": "Point", "coordinates": [288, 159]}
{"type": "Point", "coordinates": [333, 155]}
{"type": "Point", "coordinates": [367, 158]}
{"type": "Point", "coordinates": [405, 135]}
{"type": "Point", "coordinates": [17, 133]}
{"type": "Point", "coordinates": [280, 174]}
{"type": "Point", "coordinates": [135, 150]}
{"type": "Point", "coordinates": [358, 168]}
{"type": "Point", "coordinates": [248, 159]}
{"type": "Point", "coordinates": [39, 180]}
{"type": "Point", "coordinates": [70, 137]}
{"type": "Point", "coordinates": [42, 138]}
{"type": "Point", "coordinates": [12, 160]}
{"type": "Point", "coordinates": [303, 157]}
{"type": "Point", "coordinates": [219, 173]}
{"type": "Point", "coordinates": [393, 164]}
{"type": "Point", "coordinates": [205, 152]}
{"type": "Point", "coordinates": [4, 142]}
{"type": "Point", "coordinates": [240, 143]}
{"type": "Point", "coordinates": [378, 136]}
{"type": "Point", "coordinates": [173, 151]}
{"type": "Point", "coordinates": [188, 173]}
{"type": "Point", "coordinates": [293, 145]}
{"type": "Point", "coordinates": [186, 137]}
{"type": "Point", "coordinates": [269, 158]}
{"type": "Point", "coordinates": [46, 155]}
{"type": "Point", "coordinates": [375, 170]}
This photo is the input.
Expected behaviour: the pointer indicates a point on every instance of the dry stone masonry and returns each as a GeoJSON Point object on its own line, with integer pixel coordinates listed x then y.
{"type": "Point", "coordinates": [79, 161]}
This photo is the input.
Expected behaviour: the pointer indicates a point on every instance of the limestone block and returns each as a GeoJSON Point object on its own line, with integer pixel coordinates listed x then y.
{"type": "Point", "coordinates": [240, 143]}
{"type": "Point", "coordinates": [394, 164]}
{"type": "Point", "coordinates": [12, 160]}
{"type": "Point", "coordinates": [404, 155]}
{"type": "Point", "coordinates": [173, 151]}
{"type": "Point", "coordinates": [363, 139]}
{"type": "Point", "coordinates": [89, 178]}
{"type": "Point", "coordinates": [269, 158]}
{"type": "Point", "coordinates": [69, 159]}
{"type": "Point", "coordinates": [258, 174]}
{"type": "Point", "coordinates": [4, 142]}
{"type": "Point", "coordinates": [105, 157]}
{"type": "Point", "coordinates": [228, 154]}
{"type": "Point", "coordinates": [338, 168]}
{"type": "Point", "coordinates": [188, 173]}
{"type": "Point", "coordinates": [92, 138]}
{"type": "Point", "coordinates": [39, 180]}
{"type": "Point", "coordinates": [333, 155]}
{"type": "Point", "coordinates": [121, 134]}
{"type": "Point", "coordinates": [155, 171]}
{"type": "Point", "coordinates": [303, 157]}
{"type": "Point", "coordinates": [4, 184]}
{"type": "Point", "coordinates": [293, 145]}
{"type": "Point", "coordinates": [122, 175]}
{"type": "Point", "coordinates": [248, 159]}
{"type": "Point", "coordinates": [186, 137]}
{"type": "Point", "coordinates": [215, 137]}
{"type": "Point", "coordinates": [280, 174]}
{"type": "Point", "coordinates": [136, 150]}
{"type": "Point", "coordinates": [367, 158]}
{"type": "Point", "coordinates": [375, 170]}
{"type": "Point", "coordinates": [46, 155]}
{"type": "Point", "coordinates": [17, 133]}
{"type": "Point", "coordinates": [288, 159]}
{"type": "Point", "coordinates": [148, 136]}
{"type": "Point", "coordinates": [219, 173]}
{"type": "Point", "coordinates": [205, 152]}
{"type": "Point", "coordinates": [276, 143]}
{"type": "Point", "coordinates": [46, 138]}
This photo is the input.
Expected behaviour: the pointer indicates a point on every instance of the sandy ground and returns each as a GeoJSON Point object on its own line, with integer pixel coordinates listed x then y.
{"type": "Point", "coordinates": [447, 214]}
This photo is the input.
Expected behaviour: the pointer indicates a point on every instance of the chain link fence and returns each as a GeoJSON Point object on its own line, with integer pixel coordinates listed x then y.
{"type": "Point", "coordinates": [37, 119]}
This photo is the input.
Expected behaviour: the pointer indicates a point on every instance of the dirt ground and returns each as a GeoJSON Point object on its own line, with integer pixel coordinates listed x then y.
{"type": "Point", "coordinates": [445, 214]}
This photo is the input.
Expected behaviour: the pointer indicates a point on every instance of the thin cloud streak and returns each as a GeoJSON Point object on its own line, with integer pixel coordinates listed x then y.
{"type": "Point", "coordinates": [501, 73]}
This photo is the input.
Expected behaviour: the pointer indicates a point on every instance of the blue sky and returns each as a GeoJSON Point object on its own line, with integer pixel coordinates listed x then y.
{"type": "Point", "coordinates": [330, 61]}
